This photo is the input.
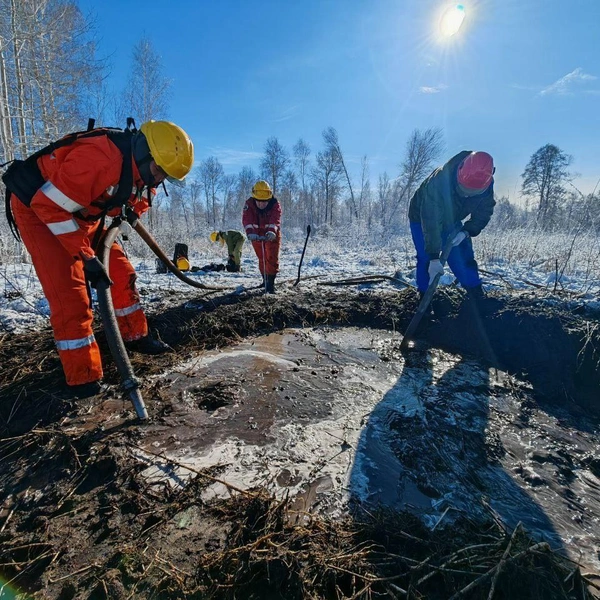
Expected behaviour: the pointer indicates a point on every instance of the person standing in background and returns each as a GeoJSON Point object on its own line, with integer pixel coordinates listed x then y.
{"type": "Point", "coordinates": [262, 222]}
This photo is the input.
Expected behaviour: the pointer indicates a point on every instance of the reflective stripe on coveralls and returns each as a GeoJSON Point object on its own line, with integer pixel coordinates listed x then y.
{"type": "Point", "coordinates": [75, 344]}
{"type": "Point", "coordinates": [62, 200]}
{"type": "Point", "coordinates": [78, 174]}
{"type": "Point", "coordinates": [252, 219]}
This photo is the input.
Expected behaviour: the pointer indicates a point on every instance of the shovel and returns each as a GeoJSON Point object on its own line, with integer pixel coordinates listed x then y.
{"type": "Point", "coordinates": [427, 296]}
{"type": "Point", "coordinates": [303, 251]}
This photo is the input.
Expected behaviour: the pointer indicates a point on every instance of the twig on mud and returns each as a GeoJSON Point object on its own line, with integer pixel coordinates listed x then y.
{"type": "Point", "coordinates": [543, 546]}
{"type": "Point", "coordinates": [170, 564]}
{"type": "Point", "coordinates": [79, 571]}
{"type": "Point", "coordinates": [503, 560]}
{"type": "Point", "coordinates": [195, 471]}
{"type": "Point", "coordinates": [20, 437]}
{"type": "Point", "coordinates": [81, 479]}
{"type": "Point", "coordinates": [366, 279]}
{"type": "Point", "coordinates": [143, 574]}
{"type": "Point", "coordinates": [441, 518]}
{"type": "Point", "coordinates": [10, 514]}
{"type": "Point", "coordinates": [397, 589]}
{"type": "Point", "coordinates": [15, 407]}
{"type": "Point", "coordinates": [586, 577]}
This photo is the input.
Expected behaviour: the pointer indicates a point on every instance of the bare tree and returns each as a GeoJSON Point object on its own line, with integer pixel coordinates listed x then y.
{"type": "Point", "coordinates": [301, 155]}
{"type": "Point", "coordinates": [327, 175]}
{"type": "Point", "coordinates": [301, 158]}
{"type": "Point", "coordinates": [332, 144]}
{"type": "Point", "coordinates": [194, 188]}
{"type": "Point", "coordinates": [227, 187]}
{"type": "Point", "coordinates": [544, 178]}
{"type": "Point", "coordinates": [48, 69]}
{"type": "Point", "coordinates": [364, 197]}
{"type": "Point", "coordinates": [211, 173]}
{"type": "Point", "coordinates": [274, 162]}
{"type": "Point", "coordinates": [423, 149]}
{"type": "Point", "coordinates": [289, 190]}
{"type": "Point", "coordinates": [245, 180]}
{"type": "Point", "coordinates": [384, 197]}
{"type": "Point", "coordinates": [147, 92]}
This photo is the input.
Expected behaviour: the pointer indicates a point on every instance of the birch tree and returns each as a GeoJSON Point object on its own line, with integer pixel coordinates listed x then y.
{"type": "Point", "coordinates": [332, 145]}
{"type": "Point", "coordinates": [274, 162]}
{"type": "Point", "coordinates": [423, 149]}
{"type": "Point", "coordinates": [364, 197]}
{"type": "Point", "coordinates": [301, 152]}
{"type": "Point", "coordinates": [227, 187]}
{"type": "Point", "coordinates": [327, 173]}
{"type": "Point", "coordinates": [48, 69]}
{"type": "Point", "coordinates": [211, 173]}
{"type": "Point", "coordinates": [147, 91]}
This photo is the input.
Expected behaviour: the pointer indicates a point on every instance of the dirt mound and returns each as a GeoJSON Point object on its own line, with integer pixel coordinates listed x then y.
{"type": "Point", "coordinates": [93, 529]}
{"type": "Point", "coordinates": [78, 520]}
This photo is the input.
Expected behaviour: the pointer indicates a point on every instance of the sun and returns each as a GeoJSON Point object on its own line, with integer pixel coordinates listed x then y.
{"type": "Point", "coordinates": [452, 20]}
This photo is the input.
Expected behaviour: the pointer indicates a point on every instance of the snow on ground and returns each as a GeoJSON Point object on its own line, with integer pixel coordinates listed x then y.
{"type": "Point", "coordinates": [558, 263]}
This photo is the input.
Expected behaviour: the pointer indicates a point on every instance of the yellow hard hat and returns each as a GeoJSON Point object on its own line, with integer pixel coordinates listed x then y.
{"type": "Point", "coordinates": [170, 147]}
{"type": "Point", "coordinates": [214, 236]}
{"type": "Point", "coordinates": [262, 190]}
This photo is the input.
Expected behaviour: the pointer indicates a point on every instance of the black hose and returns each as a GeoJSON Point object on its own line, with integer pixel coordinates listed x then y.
{"type": "Point", "coordinates": [129, 382]}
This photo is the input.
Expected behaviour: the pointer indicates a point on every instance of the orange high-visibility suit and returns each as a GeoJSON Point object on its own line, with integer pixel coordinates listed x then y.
{"type": "Point", "coordinates": [58, 229]}
{"type": "Point", "coordinates": [260, 221]}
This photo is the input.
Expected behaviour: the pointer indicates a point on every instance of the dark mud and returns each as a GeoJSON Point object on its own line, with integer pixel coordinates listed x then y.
{"type": "Point", "coordinates": [78, 519]}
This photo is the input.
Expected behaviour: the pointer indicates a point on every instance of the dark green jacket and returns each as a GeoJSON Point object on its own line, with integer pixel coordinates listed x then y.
{"type": "Point", "coordinates": [234, 240]}
{"type": "Point", "coordinates": [438, 206]}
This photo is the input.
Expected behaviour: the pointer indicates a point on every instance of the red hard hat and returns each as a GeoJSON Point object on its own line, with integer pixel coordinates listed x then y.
{"type": "Point", "coordinates": [475, 171]}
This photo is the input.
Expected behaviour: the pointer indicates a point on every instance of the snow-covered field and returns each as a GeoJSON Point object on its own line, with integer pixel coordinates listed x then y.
{"type": "Point", "coordinates": [566, 266]}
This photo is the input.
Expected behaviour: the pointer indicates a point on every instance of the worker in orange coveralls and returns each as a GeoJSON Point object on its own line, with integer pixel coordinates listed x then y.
{"type": "Point", "coordinates": [59, 224]}
{"type": "Point", "coordinates": [262, 221]}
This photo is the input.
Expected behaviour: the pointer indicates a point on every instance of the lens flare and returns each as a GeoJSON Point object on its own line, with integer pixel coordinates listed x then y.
{"type": "Point", "coordinates": [452, 19]}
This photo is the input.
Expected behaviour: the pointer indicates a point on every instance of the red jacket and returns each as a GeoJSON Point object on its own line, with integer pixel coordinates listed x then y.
{"type": "Point", "coordinates": [260, 221]}
{"type": "Point", "coordinates": [79, 179]}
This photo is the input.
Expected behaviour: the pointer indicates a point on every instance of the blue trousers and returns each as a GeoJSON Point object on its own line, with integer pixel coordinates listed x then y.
{"type": "Point", "coordinates": [461, 260]}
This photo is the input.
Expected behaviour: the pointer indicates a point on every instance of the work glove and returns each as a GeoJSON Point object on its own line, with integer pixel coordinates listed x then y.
{"type": "Point", "coordinates": [95, 272]}
{"type": "Point", "coordinates": [270, 236]}
{"type": "Point", "coordinates": [435, 267]}
{"type": "Point", "coordinates": [253, 237]}
{"type": "Point", "coordinates": [459, 237]}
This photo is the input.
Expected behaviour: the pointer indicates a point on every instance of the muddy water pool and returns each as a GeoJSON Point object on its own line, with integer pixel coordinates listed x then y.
{"type": "Point", "coordinates": [334, 416]}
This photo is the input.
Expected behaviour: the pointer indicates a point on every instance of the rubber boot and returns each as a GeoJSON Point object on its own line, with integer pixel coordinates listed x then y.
{"type": "Point", "coordinates": [476, 298]}
{"type": "Point", "coordinates": [232, 267]}
{"type": "Point", "coordinates": [476, 293]}
{"type": "Point", "coordinates": [270, 282]}
{"type": "Point", "coordinates": [83, 390]}
{"type": "Point", "coordinates": [148, 345]}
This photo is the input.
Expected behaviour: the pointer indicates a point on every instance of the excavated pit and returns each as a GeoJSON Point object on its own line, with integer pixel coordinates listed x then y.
{"type": "Point", "coordinates": [490, 423]}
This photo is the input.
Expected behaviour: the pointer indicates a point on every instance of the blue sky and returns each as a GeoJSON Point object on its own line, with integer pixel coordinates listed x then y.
{"type": "Point", "coordinates": [518, 75]}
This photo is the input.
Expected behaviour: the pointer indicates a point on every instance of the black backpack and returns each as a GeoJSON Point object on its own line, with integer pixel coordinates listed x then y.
{"type": "Point", "coordinates": [23, 177]}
